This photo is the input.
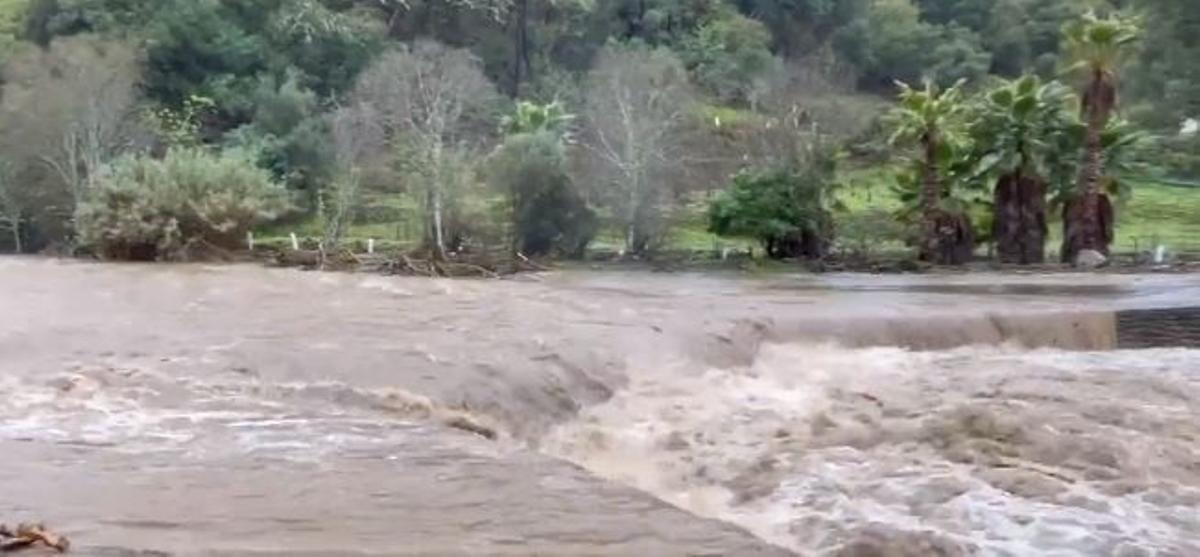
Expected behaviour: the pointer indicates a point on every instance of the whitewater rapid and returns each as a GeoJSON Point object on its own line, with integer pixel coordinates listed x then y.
{"type": "Point", "coordinates": [976, 450]}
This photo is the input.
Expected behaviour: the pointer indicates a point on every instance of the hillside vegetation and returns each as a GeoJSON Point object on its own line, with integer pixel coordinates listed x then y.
{"type": "Point", "coordinates": [798, 128]}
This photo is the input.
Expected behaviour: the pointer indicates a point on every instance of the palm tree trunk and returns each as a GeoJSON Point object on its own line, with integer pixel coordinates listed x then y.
{"type": "Point", "coordinates": [1033, 220]}
{"type": "Point", "coordinates": [1019, 218]}
{"type": "Point", "coordinates": [1006, 217]}
{"type": "Point", "coordinates": [1084, 225]}
{"type": "Point", "coordinates": [1089, 186]}
{"type": "Point", "coordinates": [1081, 215]}
{"type": "Point", "coordinates": [931, 191]}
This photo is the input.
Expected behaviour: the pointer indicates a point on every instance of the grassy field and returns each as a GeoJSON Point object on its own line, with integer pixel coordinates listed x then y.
{"type": "Point", "coordinates": [395, 220]}
{"type": "Point", "coordinates": [1159, 213]}
{"type": "Point", "coordinates": [1155, 214]}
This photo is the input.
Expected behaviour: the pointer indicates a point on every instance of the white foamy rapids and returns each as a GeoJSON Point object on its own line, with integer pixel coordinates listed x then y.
{"type": "Point", "coordinates": [989, 451]}
{"type": "Point", "coordinates": [134, 409]}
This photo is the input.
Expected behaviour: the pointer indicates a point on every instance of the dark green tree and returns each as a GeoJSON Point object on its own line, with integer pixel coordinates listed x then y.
{"type": "Point", "coordinates": [893, 43]}
{"type": "Point", "coordinates": [548, 215]}
{"type": "Point", "coordinates": [1164, 78]}
{"type": "Point", "coordinates": [728, 56]}
{"type": "Point", "coordinates": [800, 27]}
{"type": "Point", "coordinates": [786, 208]}
{"type": "Point", "coordinates": [288, 131]}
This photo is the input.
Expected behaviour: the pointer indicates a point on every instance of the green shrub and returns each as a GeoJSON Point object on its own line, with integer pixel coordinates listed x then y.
{"type": "Point", "coordinates": [146, 208]}
{"type": "Point", "coordinates": [784, 209]}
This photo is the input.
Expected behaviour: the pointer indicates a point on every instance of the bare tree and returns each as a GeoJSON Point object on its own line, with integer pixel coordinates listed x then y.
{"type": "Point", "coordinates": [426, 96]}
{"type": "Point", "coordinates": [814, 93]}
{"type": "Point", "coordinates": [636, 113]}
{"type": "Point", "coordinates": [357, 136]}
{"type": "Point", "coordinates": [71, 106]}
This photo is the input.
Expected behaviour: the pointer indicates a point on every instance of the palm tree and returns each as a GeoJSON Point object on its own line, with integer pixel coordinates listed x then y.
{"type": "Point", "coordinates": [531, 117]}
{"type": "Point", "coordinates": [1021, 129]}
{"type": "Point", "coordinates": [1097, 46]}
{"type": "Point", "coordinates": [933, 120]}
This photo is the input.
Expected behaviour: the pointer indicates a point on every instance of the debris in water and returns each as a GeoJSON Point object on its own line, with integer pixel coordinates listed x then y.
{"type": "Point", "coordinates": [30, 535]}
{"type": "Point", "coordinates": [466, 424]}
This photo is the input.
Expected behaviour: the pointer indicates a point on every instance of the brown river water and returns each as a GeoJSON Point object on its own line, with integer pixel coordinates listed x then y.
{"type": "Point", "coordinates": [238, 410]}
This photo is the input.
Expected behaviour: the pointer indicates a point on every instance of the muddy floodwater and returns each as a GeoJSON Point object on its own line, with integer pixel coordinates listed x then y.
{"type": "Point", "coordinates": [239, 410]}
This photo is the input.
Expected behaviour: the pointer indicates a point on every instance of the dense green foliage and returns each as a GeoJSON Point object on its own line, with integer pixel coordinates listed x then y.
{"type": "Point", "coordinates": [786, 209]}
{"type": "Point", "coordinates": [367, 107]}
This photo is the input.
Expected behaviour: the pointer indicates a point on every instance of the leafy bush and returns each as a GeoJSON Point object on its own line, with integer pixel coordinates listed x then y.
{"type": "Point", "coordinates": [784, 209]}
{"type": "Point", "coordinates": [146, 209]}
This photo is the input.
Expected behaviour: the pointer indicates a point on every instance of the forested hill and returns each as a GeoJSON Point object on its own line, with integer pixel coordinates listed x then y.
{"type": "Point", "coordinates": [224, 49]}
{"type": "Point", "coordinates": [340, 101]}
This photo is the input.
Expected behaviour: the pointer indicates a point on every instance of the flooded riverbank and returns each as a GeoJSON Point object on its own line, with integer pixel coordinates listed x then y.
{"type": "Point", "coordinates": [200, 410]}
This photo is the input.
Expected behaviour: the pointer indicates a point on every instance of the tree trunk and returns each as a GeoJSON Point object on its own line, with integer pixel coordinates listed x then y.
{"type": "Point", "coordinates": [1082, 220]}
{"type": "Point", "coordinates": [16, 236]}
{"type": "Point", "coordinates": [394, 19]}
{"type": "Point", "coordinates": [438, 230]}
{"type": "Point", "coordinates": [955, 240]}
{"type": "Point", "coordinates": [434, 200]}
{"type": "Point", "coordinates": [931, 193]}
{"type": "Point", "coordinates": [812, 245]}
{"type": "Point", "coordinates": [521, 66]}
{"type": "Point", "coordinates": [631, 229]}
{"type": "Point", "coordinates": [805, 244]}
{"type": "Point", "coordinates": [640, 233]}
{"type": "Point", "coordinates": [1019, 219]}
{"type": "Point", "coordinates": [515, 204]}
{"type": "Point", "coordinates": [1085, 226]}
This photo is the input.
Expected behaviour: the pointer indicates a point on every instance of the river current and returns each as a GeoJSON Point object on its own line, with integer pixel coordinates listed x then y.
{"type": "Point", "coordinates": [239, 410]}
